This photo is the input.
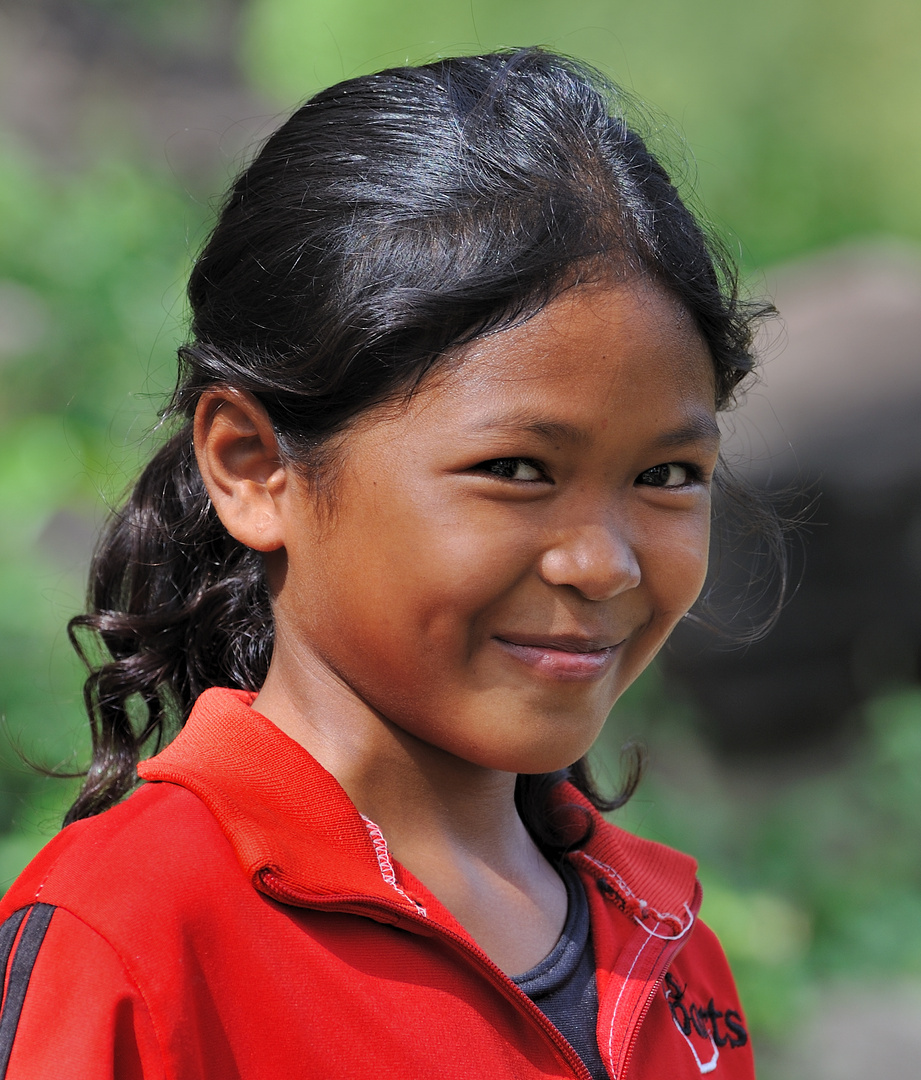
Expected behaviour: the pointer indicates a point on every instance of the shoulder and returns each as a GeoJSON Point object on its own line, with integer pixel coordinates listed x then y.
{"type": "Point", "coordinates": [92, 920]}
{"type": "Point", "coordinates": [158, 850]}
{"type": "Point", "coordinates": [70, 998]}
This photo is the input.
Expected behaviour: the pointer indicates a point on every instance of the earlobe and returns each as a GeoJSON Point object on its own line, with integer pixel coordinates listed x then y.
{"type": "Point", "coordinates": [240, 464]}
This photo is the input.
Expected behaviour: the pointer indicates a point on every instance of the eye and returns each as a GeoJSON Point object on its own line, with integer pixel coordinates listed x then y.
{"type": "Point", "coordinates": [514, 468]}
{"type": "Point", "coordinates": [669, 475]}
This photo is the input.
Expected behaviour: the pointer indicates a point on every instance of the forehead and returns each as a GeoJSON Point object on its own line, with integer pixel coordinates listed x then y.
{"type": "Point", "coordinates": [599, 348]}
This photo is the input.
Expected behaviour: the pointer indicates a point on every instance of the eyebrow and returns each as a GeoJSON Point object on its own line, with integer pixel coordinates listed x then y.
{"type": "Point", "coordinates": [698, 427]}
{"type": "Point", "coordinates": [532, 424]}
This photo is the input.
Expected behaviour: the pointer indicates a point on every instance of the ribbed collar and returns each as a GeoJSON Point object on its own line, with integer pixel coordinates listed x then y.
{"type": "Point", "coordinates": [283, 812]}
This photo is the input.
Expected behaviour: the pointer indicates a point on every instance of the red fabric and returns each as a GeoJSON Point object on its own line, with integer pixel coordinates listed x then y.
{"type": "Point", "coordinates": [234, 919]}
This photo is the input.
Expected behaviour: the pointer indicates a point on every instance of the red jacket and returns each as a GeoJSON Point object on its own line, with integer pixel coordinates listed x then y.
{"type": "Point", "coordinates": [238, 918]}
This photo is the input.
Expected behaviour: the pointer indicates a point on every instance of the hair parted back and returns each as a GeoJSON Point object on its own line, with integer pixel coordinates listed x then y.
{"type": "Point", "coordinates": [391, 219]}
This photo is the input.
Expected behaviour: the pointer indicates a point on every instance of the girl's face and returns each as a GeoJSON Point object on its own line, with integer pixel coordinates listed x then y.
{"type": "Point", "coordinates": [507, 551]}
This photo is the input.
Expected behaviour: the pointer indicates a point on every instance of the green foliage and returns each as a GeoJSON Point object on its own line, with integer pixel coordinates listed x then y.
{"type": "Point", "coordinates": [91, 271]}
{"type": "Point", "coordinates": [802, 114]}
{"type": "Point", "coordinates": [104, 255]}
{"type": "Point", "coordinates": [806, 876]}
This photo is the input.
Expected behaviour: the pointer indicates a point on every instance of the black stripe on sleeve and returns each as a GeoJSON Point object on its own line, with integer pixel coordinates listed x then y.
{"type": "Point", "coordinates": [8, 933]}
{"type": "Point", "coordinates": [23, 961]}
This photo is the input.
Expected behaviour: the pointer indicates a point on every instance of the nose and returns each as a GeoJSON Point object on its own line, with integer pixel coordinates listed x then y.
{"type": "Point", "coordinates": [597, 560]}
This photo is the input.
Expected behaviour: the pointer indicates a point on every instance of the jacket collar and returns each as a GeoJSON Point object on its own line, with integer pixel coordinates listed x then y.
{"type": "Point", "coordinates": [283, 813]}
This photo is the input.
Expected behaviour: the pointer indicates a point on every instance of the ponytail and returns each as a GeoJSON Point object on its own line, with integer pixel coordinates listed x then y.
{"type": "Point", "coordinates": [175, 605]}
{"type": "Point", "coordinates": [553, 831]}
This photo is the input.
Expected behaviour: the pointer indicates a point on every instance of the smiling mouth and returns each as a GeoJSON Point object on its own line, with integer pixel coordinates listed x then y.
{"type": "Point", "coordinates": [564, 658]}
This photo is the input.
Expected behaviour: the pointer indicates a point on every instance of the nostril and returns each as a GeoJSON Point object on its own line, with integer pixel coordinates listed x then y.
{"type": "Point", "coordinates": [595, 563]}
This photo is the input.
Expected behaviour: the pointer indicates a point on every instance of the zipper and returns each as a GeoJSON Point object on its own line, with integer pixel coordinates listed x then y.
{"type": "Point", "coordinates": [358, 904]}
{"type": "Point", "coordinates": [632, 906]}
{"type": "Point", "coordinates": [668, 955]}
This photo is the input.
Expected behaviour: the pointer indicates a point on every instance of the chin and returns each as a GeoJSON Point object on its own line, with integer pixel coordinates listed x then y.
{"type": "Point", "coordinates": [545, 758]}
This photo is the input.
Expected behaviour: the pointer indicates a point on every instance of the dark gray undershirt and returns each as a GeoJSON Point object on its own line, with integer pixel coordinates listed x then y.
{"type": "Point", "coordinates": [563, 986]}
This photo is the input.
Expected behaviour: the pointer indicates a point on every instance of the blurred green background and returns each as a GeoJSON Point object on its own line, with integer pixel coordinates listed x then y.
{"type": "Point", "coordinates": [121, 121]}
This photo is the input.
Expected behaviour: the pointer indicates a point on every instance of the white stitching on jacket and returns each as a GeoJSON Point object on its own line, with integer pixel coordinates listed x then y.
{"type": "Point", "coordinates": [386, 866]}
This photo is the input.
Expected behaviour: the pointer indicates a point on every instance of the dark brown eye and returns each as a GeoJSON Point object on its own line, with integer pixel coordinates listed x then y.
{"type": "Point", "coordinates": [670, 474]}
{"type": "Point", "coordinates": [514, 469]}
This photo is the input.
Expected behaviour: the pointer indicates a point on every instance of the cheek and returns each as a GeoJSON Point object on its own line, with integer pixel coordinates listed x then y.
{"type": "Point", "coordinates": [444, 562]}
{"type": "Point", "coordinates": [673, 567]}
{"type": "Point", "coordinates": [397, 588]}
{"type": "Point", "coordinates": [678, 567]}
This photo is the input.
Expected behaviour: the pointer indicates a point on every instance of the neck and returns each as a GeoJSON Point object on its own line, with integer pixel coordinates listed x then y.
{"type": "Point", "coordinates": [421, 797]}
{"type": "Point", "coordinates": [451, 823]}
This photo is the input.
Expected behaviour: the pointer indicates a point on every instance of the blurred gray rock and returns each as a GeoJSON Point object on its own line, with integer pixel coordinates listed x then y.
{"type": "Point", "coordinates": [837, 417]}
{"type": "Point", "coordinates": [840, 397]}
{"type": "Point", "coordinates": [76, 76]}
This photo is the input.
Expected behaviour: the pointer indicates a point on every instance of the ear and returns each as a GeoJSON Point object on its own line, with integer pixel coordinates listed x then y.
{"type": "Point", "coordinates": [240, 464]}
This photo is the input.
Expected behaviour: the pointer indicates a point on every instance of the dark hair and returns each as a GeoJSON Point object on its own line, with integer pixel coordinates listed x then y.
{"type": "Point", "coordinates": [391, 218]}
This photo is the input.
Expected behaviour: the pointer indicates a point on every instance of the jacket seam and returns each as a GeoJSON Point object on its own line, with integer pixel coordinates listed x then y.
{"type": "Point", "coordinates": [637, 908]}
{"type": "Point", "coordinates": [164, 1058]}
{"type": "Point", "coordinates": [385, 864]}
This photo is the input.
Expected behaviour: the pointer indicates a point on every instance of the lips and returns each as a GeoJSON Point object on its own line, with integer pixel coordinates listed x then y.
{"type": "Point", "coordinates": [565, 657]}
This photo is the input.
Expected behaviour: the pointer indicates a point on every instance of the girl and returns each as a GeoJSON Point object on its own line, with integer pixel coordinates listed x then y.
{"type": "Point", "coordinates": [439, 494]}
